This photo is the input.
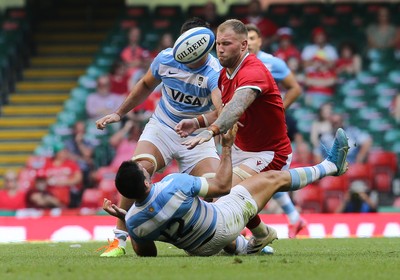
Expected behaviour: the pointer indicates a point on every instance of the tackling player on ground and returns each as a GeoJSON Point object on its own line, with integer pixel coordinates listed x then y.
{"type": "Point", "coordinates": [171, 210]}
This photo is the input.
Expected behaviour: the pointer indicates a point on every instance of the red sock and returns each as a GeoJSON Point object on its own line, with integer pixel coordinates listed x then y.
{"type": "Point", "coordinates": [254, 222]}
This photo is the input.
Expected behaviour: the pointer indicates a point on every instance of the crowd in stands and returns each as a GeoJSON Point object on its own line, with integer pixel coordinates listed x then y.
{"type": "Point", "coordinates": [320, 66]}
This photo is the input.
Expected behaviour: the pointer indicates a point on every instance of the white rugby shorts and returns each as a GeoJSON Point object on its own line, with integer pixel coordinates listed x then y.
{"type": "Point", "coordinates": [256, 161]}
{"type": "Point", "coordinates": [234, 211]}
{"type": "Point", "coordinates": [169, 143]}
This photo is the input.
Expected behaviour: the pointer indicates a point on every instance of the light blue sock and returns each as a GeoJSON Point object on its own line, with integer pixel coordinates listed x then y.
{"type": "Point", "coordinates": [284, 201]}
{"type": "Point", "coordinates": [303, 176]}
{"type": "Point", "coordinates": [241, 245]}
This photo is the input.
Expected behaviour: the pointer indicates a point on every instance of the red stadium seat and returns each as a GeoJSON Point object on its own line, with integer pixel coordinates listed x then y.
{"type": "Point", "coordinates": [384, 169]}
{"type": "Point", "coordinates": [331, 204]}
{"type": "Point", "coordinates": [92, 198]}
{"type": "Point", "coordinates": [360, 171]}
{"type": "Point", "coordinates": [331, 183]}
{"type": "Point", "coordinates": [108, 189]}
{"type": "Point", "coordinates": [333, 190]}
{"type": "Point", "coordinates": [309, 199]}
{"type": "Point", "coordinates": [105, 172]}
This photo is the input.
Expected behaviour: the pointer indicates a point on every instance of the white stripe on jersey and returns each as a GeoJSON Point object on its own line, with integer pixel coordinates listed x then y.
{"type": "Point", "coordinates": [182, 75]}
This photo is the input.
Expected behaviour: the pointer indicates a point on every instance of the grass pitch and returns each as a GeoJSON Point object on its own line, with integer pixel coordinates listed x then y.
{"type": "Point", "coordinates": [373, 258]}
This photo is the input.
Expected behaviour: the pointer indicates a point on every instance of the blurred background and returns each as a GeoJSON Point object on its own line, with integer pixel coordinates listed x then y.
{"type": "Point", "coordinates": [65, 63]}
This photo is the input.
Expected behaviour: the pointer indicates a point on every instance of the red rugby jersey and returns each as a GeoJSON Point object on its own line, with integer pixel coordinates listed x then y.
{"type": "Point", "coordinates": [264, 120]}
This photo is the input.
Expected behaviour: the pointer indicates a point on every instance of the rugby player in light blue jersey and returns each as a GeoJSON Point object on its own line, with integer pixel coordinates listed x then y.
{"type": "Point", "coordinates": [171, 210]}
{"type": "Point", "coordinates": [188, 91]}
{"type": "Point", "coordinates": [283, 76]}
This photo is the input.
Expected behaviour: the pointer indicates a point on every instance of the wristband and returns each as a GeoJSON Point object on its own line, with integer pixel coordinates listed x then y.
{"type": "Point", "coordinates": [205, 121]}
{"type": "Point", "coordinates": [214, 129]}
{"type": "Point", "coordinates": [118, 115]}
{"type": "Point", "coordinates": [197, 122]}
{"type": "Point", "coordinates": [201, 121]}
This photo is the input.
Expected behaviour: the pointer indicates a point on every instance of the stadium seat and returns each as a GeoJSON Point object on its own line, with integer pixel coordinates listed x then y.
{"type": "Point", "coordinates": [138, 12]}
{"type": "Point", "coordinates": [195, 10]}
{"type": "Point", "coordinates": [92, 198]}
{"type": "Point", "coordinates": [80, 94]}
{"type": "Point", "coordinates": [367, 78]}
{"type": "Point", "coordinates": [333, 191]}
{"type": "Point", "coordinates": [105, 172]}
{"type": "Point", "coordinates": [309, 199]}
{"type": "Point", "coordinates": [237, 10]}
{"type": "Point", "coordinates": [360, 171]}
{"type": "Point", "coordinates": [167, 11]}
{"type": "Point", "coordinates": [108, 189]}
{"type": "Point", "coordinates": [394, 77]}
{"type": "Point", "coordinates": [384, 168]}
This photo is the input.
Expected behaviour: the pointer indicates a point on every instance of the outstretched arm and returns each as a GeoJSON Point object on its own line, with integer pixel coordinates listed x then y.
{"type": "Point", "coordinates": [138, 95]}
{"type": "Point", "coordinates": [230, 114]}
{"type": "Point", "coordinates": [222, 182]}
{"type": "Point", "coordinates": [293, 90]}
{"type": "Point", "coordinates": [186, 127]}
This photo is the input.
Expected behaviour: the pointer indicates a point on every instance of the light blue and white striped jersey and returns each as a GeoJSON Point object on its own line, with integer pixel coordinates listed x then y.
{"type": "Point", "coordinates": [173, 213]}
{"type": "Point", "coordinates": [278, 68]}
{"type": "Point", "coordinates": [186, 92]}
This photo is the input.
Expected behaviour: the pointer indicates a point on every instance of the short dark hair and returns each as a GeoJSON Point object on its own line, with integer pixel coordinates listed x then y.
{"type": "Point", "coordinates": [194, 22]}
{"type": "Point", "coordinates": [253, 27]}
{"type": "Point", "coordinates": [130, 180]}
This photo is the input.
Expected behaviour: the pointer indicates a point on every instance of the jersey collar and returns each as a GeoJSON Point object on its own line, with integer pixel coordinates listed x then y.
{"type": "Point", "coordinates": [230, 77]}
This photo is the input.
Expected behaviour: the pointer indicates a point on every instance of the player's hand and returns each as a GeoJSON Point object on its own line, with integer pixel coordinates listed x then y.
{"type": "Point", "coordinates": [113, 209]}
{"type": "Point", "coordinates": [111, 118]}
{"type": "Point", "coordinates": [228, 138]}
{"type": "Point", "coordinates": [202, 137]}
{"type": "Point", "coordinates": [186, 127]}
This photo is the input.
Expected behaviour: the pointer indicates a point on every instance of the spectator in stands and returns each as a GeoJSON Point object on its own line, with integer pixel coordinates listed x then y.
{"type": "Point", "coordinates": [124, 142]}
{"type": "Point", "coordinates": [349, 63]}
{"type": "Point", "coordinates": [131, 54]}
{"type": "Point", "coordinates": [39, 196]}
{"type": "Point", "coordinates": [210, 15]}
{"type": "Point", "coordinates": [395, 108]}
{"type": "Point", "coordinates": [266, 26]}
{"type": "Point", "coordinates": [148, 106]}
{"type": "Point", "coordinates": [286, 48]}
{"type": "Point", "coordinates": [360, 142]}
{"type": "Point", "coordinates": [302, 155]}
{"type": "Point", "coordinates": [382, 34]}
{"type": "Point", "coordinates": [359, 199]}
{"type": "Point", "coordinates": [119, 78]}
{"type": "Point", "coordinates": [295, 66]}
{"type": "Point", "coordinates": [64, 177]}
{"type": "Point", "coordinates": [81, 151]}
{"type": "Point", "coordinates": [103, 101]}
{"type": "Point", "coordinates": [166, 41]}
{"type": "Point", "coordinates": [145, 62]}
{"type": "Point", "coordinates": [321, 126]}
{"type": "Point", "coordinates": [12, 197]}
{"type": "Point", "coordinates": [320, 47]}
{"type": "Point", "coordinates": [320, 81]}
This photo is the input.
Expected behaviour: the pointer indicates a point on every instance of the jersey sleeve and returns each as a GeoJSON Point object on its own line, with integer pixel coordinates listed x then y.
{"type": "Point", "coordinates": [254, 77]}
{"type": "Point", "coordinates": [191, 186]}
{"type": "Point", "coordinates": [155, 65]}
{"type": "Point", "coordinates": [280, 70]}
{"type": "Point", "coordinates": [213, 81]}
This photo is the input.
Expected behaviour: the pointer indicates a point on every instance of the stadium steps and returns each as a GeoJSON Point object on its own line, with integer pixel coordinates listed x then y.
{"type": "Point", "coordinates": [66, 41]}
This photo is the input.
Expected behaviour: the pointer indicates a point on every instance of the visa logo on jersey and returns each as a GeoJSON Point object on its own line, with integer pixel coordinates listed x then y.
{"type": "Point", "coordinates": [184, 98]}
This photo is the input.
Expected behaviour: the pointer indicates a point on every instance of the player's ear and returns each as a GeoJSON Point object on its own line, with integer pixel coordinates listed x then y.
{"type": "Point", "coordinates": [244, 45]}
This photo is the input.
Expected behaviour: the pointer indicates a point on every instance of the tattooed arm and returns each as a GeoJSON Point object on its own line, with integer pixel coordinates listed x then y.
{"type": "Point", "coordinates": [229, 115]}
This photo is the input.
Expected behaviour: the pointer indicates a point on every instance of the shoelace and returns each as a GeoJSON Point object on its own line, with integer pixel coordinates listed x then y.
{"type": "Point", "coordinates": [111, 244]}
